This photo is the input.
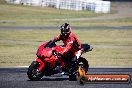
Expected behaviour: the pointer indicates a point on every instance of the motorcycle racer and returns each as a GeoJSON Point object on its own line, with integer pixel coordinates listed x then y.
{"type": "Point", "coordinates": [70, 41]}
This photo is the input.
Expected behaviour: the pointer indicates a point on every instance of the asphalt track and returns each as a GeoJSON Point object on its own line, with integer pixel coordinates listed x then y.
{"type": "Point", "coordinates": [17, 78]}
{"type": "Point", "coordinates": [73, 27]}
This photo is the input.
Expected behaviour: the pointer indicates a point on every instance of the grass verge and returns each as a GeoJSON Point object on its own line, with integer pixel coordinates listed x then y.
{"type": "Point", "coordinates": [112, 48]}
{"type": "Point", "coordinates": [18, 15]}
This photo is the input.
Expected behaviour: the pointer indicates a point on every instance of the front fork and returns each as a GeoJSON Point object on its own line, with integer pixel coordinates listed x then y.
{"type": "Point", "coordinates": [41, 64]}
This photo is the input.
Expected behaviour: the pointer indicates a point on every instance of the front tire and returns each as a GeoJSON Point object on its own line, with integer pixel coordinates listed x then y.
{"type": "Point", "coordinates": [33, 73]}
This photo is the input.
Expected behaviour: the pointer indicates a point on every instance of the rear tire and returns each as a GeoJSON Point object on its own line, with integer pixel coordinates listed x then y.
{"type": "Point", "coordinates": [84, 64]}
{"type": "Point", "coordinates": [72, 77]}
{"type": "Point", "coordinates": [81, 80]}
{"type": "Point", "coordinates": [33, 73]}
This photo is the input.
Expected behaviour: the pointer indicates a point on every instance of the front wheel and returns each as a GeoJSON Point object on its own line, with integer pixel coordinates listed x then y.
{"type": "Point", "coordinates": [33, 73]}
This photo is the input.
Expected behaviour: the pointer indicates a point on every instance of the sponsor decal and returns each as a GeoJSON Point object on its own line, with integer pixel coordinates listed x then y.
{"type": "Point", "coordinates": [104, 78]}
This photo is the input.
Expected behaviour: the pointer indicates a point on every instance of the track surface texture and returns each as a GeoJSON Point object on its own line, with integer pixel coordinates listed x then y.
{"type": "Point", "coordinates": [17, 78]}
{"type": "Point", "coordinates": [73, 27]}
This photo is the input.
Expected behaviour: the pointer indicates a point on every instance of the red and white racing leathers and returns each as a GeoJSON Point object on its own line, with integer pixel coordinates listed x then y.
{"type": "Point", "coordinates": [71, 43]}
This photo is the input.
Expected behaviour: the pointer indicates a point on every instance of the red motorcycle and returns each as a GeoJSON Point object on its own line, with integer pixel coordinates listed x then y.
{"type": "Point", "coordinates": [49, 58]}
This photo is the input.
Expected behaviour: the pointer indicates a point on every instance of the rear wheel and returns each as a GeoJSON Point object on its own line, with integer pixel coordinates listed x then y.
{"type": "Point", "coordinates": [33, 73]}
{"type": "Point", "coordinates": [83, 63]}
{"type": "Point", "coordinates": [72, 77]}
{"type": "Point", "coordinates": [81, 80]}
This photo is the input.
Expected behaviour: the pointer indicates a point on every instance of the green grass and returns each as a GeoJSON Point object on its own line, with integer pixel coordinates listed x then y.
{"type": "Point", "coordinates": [2, 2]}
{"type": "Point", "coordinates": [18, 15]}
{"type": "Point", "coordinates": [28, 15]}
{"type": "Point", "coordinates": [112, 48]}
